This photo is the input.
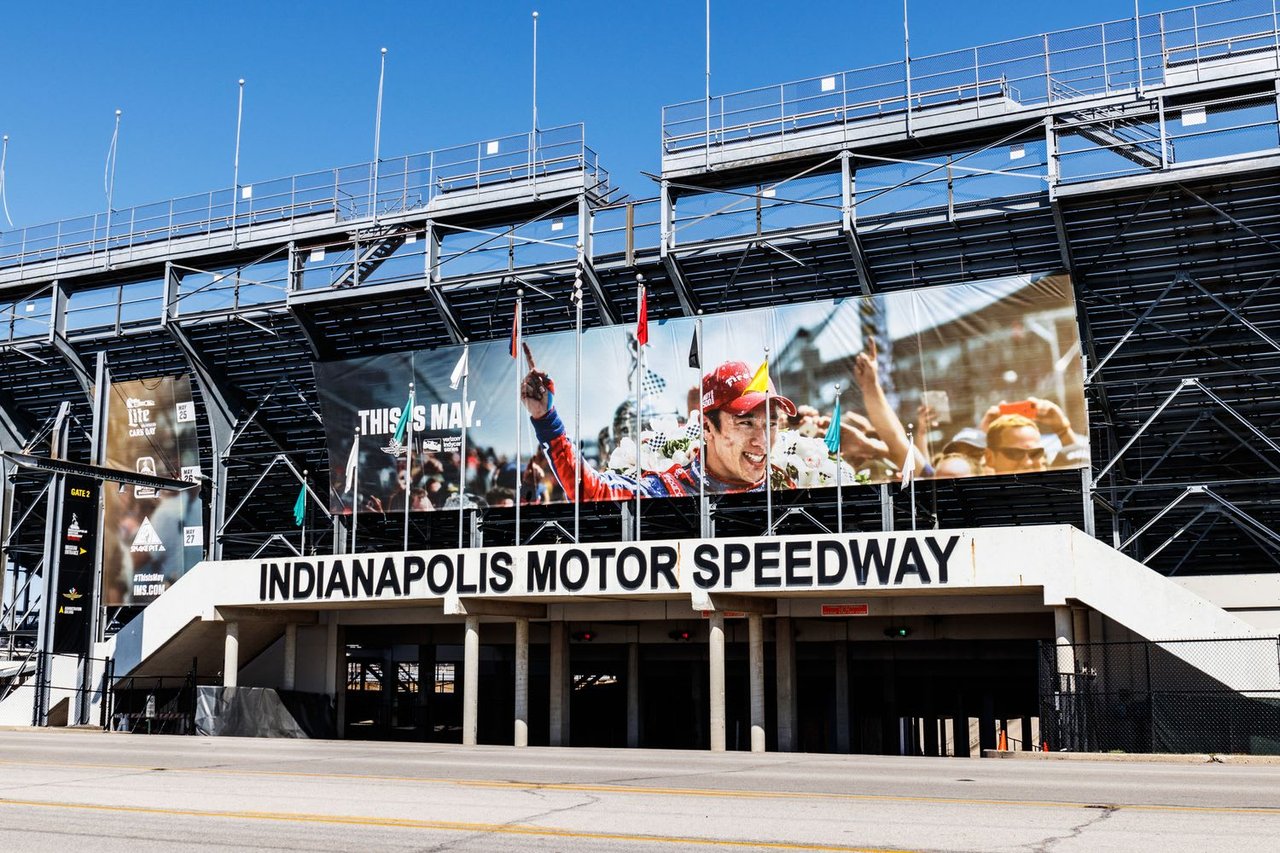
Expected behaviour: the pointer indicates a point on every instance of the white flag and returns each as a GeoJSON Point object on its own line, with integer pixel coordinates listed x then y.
{"type": "Point", "coordinates": [909, 466]}
{"type": "Point", "coordinates": [352, 462]}
{"type": "Point", "coordinates": [459, 370]}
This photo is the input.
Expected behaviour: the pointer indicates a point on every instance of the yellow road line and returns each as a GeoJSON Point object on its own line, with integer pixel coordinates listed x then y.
{"type": "Point", "coordinates": [450, 826]}
{"type": "Point", "coordinates": [661, 791]}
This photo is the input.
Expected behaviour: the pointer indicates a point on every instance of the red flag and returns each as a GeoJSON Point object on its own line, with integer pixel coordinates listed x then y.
{"type": "Point", "coordinates": [515, 333]}
{"type": "Point", "coordinates": [642, 318]}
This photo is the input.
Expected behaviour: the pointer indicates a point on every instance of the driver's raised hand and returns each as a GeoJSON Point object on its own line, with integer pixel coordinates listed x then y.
{"type": "Point", "coordinates": [535, 388]}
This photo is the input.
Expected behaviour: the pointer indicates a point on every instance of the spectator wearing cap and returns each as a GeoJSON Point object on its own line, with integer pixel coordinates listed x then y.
{"type": "Point", "coordinates": [971, 443]}
{"type": "Point", "coordinates": [735, 427]}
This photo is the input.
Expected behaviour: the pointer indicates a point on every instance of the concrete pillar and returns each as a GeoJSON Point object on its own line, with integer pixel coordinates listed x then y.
{"type": "Point", "coordinates": [716, 671]}
{"type": "Point", "coordinates": [471, 681]}
{"type": "Point", "coordinates": [289, 677]}
{"type": "Point", "coordinates": [558, 713]}
{"type": "Point", "coordinates": [1080, 633]}
{"type": "Point", "coordinates": [929, 736]}
{"type": "Point", "coordinates": [842, 696]}
{"type": "Point", "coordinates": [755, 662]}
{"type": "Point", "coordinates": [785, 654]}
{"type": "Point", "coordinates": [522, 682]}
{"type": "Point", "coordinates": [335, 679]}
{"type": "Point", "coordinates": [231, 656]}
{"type": "Point", "coordinates": [1064, 636]}
{"type": "Point", "coordinates": [633, 694]}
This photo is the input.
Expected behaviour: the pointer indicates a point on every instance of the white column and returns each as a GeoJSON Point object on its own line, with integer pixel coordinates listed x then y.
{"type": "Point", "coordinates": [471, 681]}
{"type": "Point", "coordinates": [522, 682]}
{"type": "Point", "coordinates": [231, 656]}
{"type": "Point", "coordinates": [1080, 633]}
{"type": "Point", "coordinates": [289, 677]}
{"type": "Point", "coordinates": [633, 694]}
{"type": "Point", "coordinates": [755, 658]}
{"type": "Point", "coordinates": [785, 652]}
{"type": "Point", "coordinates": [716, 692]}
{"type": "Point", "coordinates": [558, 713]}
{"type": "Point", "coordinates": [1064, 636]}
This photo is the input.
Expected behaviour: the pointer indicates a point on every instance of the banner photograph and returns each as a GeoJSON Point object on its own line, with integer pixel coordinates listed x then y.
{"type": "Point", "coordinates": [150, 537]}
{"type": "Point", "coordinates": [966, 380]}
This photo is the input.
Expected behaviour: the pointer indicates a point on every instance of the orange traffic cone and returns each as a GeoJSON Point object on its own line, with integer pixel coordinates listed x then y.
{"type": "Point", "coordinates": [1044, 746]}
{"type": "Point", "coordinates": [1003, 743]}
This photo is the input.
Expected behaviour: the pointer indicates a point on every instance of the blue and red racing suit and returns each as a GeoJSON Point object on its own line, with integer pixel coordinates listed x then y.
{"type": "Point", "coordinates": [675, 482]}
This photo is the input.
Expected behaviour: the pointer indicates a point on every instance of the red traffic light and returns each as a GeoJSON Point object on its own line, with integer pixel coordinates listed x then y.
{"type": "Point", "coordinates": [584, 636]}
{"type": "Point", "coordinates": [679, 635]}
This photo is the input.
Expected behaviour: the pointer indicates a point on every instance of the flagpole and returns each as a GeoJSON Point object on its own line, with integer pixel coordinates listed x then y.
{"type": "Point", "coordinates": [377, 141]}
{"type": "Point", "coordinates": [906, 62]}
{"type": "Point", "coordinates": [577, 410]}
{"type": "Point", "coordinates": [639, 399]}
{"type": "Point", "coordinates": [702, 436]}
{"type": "Point", "coordinates": [706, 143]}
{"type": "Point", "coordinates": [911, 463]}
{"type": "Point", "coordinates": [110, 181]}
{"type": "Point", "coordinates": [302, 545]}
{"type": "Point", "coordinates": [519, 405]}
{"type": "Point", "coordinates": [462, 448]}
{"type": "Point", "coordinates": [235, 166]}
{"type": "Point", "coordinates": [768, 451]}
{"type": "Point", "coordinates": [408, 466]}
{"type": "Point", "coordinates": [839, 466]}
{"type": "Point", "coordinates": [4, 198]}
{"type": "Point", "coordinates": [355, 503]}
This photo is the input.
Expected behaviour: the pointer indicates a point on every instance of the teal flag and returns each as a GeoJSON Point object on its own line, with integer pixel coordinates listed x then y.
{"type": "Point", "coordinates": [833, 431]}
{"type": "Point", "coordinates": [300, 506]}
{"type": "Point", "coordinates": [403, 423]}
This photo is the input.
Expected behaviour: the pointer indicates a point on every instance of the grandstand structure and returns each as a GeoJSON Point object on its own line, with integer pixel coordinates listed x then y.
{"type": "Point", "coordinates": [1142, 156]}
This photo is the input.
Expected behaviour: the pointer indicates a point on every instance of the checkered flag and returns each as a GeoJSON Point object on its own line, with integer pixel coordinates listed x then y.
{"type": "Point", "coordinates": [652, 384]}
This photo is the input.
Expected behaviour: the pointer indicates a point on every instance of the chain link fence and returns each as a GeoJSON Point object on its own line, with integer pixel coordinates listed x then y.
{"type": "Point", "coordinates": [1147, 697]}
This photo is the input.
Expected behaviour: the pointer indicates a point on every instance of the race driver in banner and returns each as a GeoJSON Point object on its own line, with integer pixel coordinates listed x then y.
{"type": "Point", "coordinates": [735, 431]}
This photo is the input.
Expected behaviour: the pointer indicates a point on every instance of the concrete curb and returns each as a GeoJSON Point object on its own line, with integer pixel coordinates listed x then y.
{"type": "Point", "coordinates": [1134, 758]}
{"type": "Point", "coordinates": [74, 729]}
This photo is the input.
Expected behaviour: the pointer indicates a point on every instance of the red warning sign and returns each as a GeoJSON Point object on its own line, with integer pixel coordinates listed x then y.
{"type": "Point", "coordinates": [846, 609]}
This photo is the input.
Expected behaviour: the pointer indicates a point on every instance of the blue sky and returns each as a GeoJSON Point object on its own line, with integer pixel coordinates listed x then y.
{"type": "Point", "coordinates": [457, 72]}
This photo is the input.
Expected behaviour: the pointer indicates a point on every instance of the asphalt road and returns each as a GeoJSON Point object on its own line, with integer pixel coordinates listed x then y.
{"type": "Point", "coordinates": [72, 791]}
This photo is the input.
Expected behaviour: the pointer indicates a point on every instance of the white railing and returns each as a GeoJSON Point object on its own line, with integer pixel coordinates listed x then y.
{"type": "Point", "coordinates": [347, 192]}
{"type": "Point", "coordinates": [1118, 56]}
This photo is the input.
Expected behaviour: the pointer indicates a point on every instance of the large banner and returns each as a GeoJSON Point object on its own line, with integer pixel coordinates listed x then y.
{"type": "Point", "coordinates": [151, 537]}
{"type": "Point", "coordinates": [966, 380]}
{"type": "Point", "coordinates": [77, 545]}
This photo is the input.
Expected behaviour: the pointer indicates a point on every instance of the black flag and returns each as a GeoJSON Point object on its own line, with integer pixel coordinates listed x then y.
{"type": "Point", "coordinates": [695, 356]}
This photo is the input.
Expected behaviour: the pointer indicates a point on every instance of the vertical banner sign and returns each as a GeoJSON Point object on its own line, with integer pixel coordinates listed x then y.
{"type": "Point", "coordinates": [150, 537]}
{"type": "Point", "coordinates": [76, 543]}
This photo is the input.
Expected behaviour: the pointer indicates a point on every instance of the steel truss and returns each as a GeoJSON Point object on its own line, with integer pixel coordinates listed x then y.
{"type": "Point", "coordinates": [397, 284]}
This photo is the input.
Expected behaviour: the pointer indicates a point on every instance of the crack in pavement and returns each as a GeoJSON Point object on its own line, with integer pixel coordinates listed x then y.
{"type": "Point", "coordinates": [523, 820]}
{"type": "Point", "coordinates": [1105, 812]}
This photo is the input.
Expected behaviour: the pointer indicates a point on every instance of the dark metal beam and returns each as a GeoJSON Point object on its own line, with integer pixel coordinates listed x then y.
{"type": "Point", "coordinates": [60, 344]}
{"type": "Point", "coordinates": [684, 293]}
{"type": "Point", "coordinates": [318, 344]}
{"type": "Point", "coordinates": [849, 224]}
{"type": "Point", "coordinates": [603, 303]}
